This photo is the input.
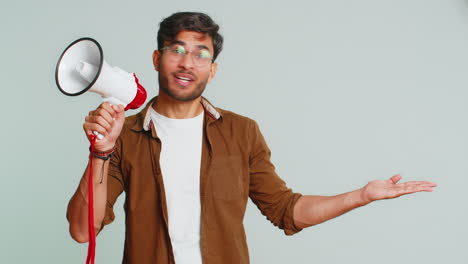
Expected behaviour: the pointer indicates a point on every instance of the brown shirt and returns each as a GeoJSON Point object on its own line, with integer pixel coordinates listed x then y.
{"type": "Point", "coordinates": [235, 165]}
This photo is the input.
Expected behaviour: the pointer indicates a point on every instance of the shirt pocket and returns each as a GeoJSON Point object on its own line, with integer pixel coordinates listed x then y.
{"type": "Point", "coordinates": [226, 177]}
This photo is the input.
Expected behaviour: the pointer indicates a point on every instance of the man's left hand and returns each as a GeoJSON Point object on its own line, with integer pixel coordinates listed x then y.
{"type": "Point", "coordinates": [389, 189]}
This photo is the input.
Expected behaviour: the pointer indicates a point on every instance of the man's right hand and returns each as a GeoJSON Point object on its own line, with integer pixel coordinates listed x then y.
{"type": "Point", "coordinates": [107, 120]}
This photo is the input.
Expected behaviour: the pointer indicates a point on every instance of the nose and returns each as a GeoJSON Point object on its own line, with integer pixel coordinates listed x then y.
{"type": "Point", "coordinates": [187, 62]}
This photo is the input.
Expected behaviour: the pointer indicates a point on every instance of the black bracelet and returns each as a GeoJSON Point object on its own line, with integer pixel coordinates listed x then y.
{"type": "Point", "coordinates": [103, 157]}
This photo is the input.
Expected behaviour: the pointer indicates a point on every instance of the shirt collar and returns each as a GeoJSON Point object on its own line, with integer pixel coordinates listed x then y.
{"type": "Point", "coordinates": [207, 106]}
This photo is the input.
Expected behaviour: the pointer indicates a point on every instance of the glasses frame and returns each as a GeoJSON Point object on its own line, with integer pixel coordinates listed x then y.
{"type": "Point", "coordinates": [182, 55]}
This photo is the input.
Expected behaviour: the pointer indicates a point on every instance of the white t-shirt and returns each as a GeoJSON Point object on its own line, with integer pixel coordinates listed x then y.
{"type": "Point", "coordinates": [180, 162]}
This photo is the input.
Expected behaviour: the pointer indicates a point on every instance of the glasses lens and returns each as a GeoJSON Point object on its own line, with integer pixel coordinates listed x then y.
{"type": "Point", "coordinates": [200, 57]}
{"type": "Point", "coordinates": [177, 49]}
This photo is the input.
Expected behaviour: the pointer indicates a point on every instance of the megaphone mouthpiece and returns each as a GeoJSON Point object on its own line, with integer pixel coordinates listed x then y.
{"type": "Point", "coordinates": [86, 70]}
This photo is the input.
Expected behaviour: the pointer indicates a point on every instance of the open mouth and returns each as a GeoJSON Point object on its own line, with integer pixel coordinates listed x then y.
{"type": "Point", "coordinates": [183, 79]}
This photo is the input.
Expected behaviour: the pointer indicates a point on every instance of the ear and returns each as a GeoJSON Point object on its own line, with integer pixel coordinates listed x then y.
{"type": "Point", "coordinates": [214, 68]}
{"type": "Point", "coordinates": [156, 57]}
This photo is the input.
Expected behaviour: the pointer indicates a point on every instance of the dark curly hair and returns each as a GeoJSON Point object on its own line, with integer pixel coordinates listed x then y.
{"type": "Point", "coordinates": [192, 21]}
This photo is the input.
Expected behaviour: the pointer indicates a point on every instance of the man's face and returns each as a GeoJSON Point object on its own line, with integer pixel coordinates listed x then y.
{"type": "Point", "coordinates": [185, 80]}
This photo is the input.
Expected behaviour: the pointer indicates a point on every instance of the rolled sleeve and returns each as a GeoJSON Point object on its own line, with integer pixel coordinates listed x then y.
{"type": "Point", "coordinates": [266, 189]}
{"type": "Point", "coordinates": [115, 185]}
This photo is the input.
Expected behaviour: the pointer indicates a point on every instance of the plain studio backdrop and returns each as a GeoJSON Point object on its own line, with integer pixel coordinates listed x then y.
{"type": "Point", "coordinates": [344, 91]}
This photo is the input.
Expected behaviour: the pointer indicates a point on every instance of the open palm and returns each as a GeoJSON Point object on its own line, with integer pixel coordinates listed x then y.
{"type": "Point", "coordinates": [388, 189]}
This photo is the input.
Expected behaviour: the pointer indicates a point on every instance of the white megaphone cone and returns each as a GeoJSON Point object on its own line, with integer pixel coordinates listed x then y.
{"type": "Point", "coordinates": [82, 68]}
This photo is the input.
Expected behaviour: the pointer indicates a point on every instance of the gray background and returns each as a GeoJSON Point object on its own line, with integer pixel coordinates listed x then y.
{"type": "Point", "coordinates": [344, 91]}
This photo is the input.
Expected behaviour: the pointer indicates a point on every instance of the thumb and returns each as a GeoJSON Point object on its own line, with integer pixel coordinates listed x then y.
{"type": "Point", "coordinates": [119, 111]}
{"type": "Point", "coordinates": [395, 178]}
{"type": "Point", "coordinates": [118, 108]}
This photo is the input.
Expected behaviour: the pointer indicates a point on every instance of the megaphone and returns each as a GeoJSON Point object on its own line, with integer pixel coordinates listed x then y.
{"type": "Point", "coordinates": [82, 68]}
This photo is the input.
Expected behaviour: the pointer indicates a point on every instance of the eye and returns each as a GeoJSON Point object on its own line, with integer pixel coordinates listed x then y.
{"type": "Point", "coordinates": [178, 49]}
{"type": "Point", "coordinates": [204, 54]}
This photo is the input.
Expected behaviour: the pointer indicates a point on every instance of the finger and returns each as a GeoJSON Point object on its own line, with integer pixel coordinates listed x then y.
{"type": "Point", "coordinates": [100, 121]}
{"type": "Point", "coordinates": [414, 189]}
{"type": "Point", "coordinates": [422, 183]}
{"type": "Point", "coordinates": [109, 108]}
{"type": "Point", "coordinates": [87, 131]}
{"type": "Point", "coordinates": [90, 128]}
{"type": "Point", "coordinates": [395, 178]}
{"type": "Point", "coordinates": [118, 108]}
{"type": "Point", "coordinates": [120, 112]}
{"type": "Point", "coordinates": [108, 116]}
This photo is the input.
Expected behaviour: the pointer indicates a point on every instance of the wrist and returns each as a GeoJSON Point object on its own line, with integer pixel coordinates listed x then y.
{"type": "Point", "coordinates": [103, 155]}
{"type": "Point", "coordinates": [103, 149]}
{"type": "Point", "coordinates": [363, 197]}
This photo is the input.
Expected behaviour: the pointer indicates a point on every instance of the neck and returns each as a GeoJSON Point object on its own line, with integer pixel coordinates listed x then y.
{"type": "Point", "coordinates": [172, 108]}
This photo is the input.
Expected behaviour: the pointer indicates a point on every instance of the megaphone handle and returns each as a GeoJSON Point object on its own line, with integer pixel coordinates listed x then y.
{"type": "Point", "coordinates": [113, 101]}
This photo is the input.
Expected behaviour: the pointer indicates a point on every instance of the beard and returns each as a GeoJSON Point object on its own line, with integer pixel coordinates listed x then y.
{"type": "Point", "coordinates": [174, 93]}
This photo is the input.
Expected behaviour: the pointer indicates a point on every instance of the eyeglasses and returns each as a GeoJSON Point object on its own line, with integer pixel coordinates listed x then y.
{"type": "Point", "coordinates": [176, 52]}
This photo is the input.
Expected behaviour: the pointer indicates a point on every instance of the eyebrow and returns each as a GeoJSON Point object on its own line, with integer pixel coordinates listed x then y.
{"type": "Point", "coordinates": [180, 42]}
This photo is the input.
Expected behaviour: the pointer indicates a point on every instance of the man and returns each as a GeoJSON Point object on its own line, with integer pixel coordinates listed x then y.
{"type": "Point", "coordinates": [188, 168]}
